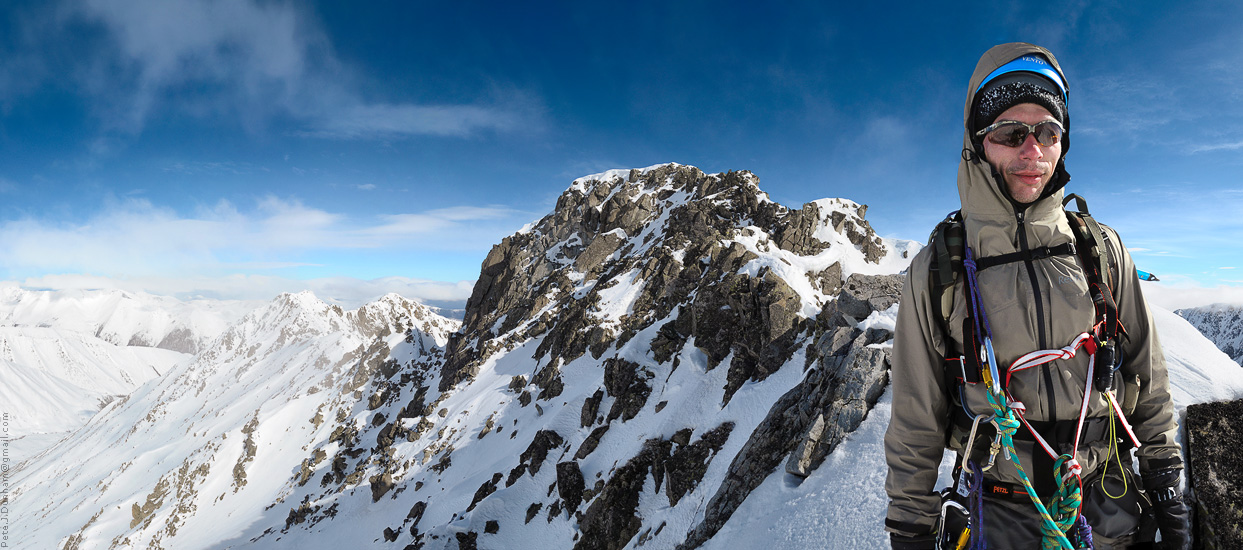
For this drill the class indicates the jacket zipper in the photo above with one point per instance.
(1036, 296)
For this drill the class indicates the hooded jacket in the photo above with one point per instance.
(1030, 305)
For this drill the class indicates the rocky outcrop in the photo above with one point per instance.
(1214, 435)
(679, 235)
(810, 420)
(610, 522)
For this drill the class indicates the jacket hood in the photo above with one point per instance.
(986, 203)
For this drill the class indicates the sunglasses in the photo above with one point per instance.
(1012, 133)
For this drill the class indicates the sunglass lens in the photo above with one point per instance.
(1012, 134)
(1009, 135)
(1048, 134)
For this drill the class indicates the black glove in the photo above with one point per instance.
(1171, 512)
(900, 542)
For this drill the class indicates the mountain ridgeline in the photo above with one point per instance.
(1221, 323)
(628, 370)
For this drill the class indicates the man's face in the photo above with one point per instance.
(1027, 168)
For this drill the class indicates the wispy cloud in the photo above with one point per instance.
(383, 121)
(251, 60)
(367, 187)
(345, 291)
(1207, 148)
(135, 238)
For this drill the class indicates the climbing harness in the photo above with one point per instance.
(1062, 526)
(1061, 521)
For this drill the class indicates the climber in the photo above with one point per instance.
(1034, 357)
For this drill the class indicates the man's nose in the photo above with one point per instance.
(1029, 149)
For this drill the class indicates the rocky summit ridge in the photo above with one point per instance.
(629, 368)
(1221, 323)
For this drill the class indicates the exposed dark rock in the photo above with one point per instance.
(381, 484)
(533, 510)
(591, 407)
(677, 236)
(686, 466)
(829, 280)
(1221, 324)
(537, 451)
(795, 234)
(570, 484)
(416, 512)
(300, 514)
(484, 490)
(586, 236)
(1214, 437)
(755, 318)
(467, 541)
(492, 527)
(628, 383)
(548, 380)
(590, 443)
(517, 383)
(610, 522)
(515, 474)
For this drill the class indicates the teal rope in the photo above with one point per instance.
(1053, 531)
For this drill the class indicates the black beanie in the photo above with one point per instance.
(1012, 89)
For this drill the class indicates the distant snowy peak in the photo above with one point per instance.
(302, 315)
(1221, 323)
(55, 380)
(123, 318)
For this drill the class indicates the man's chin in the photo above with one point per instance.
(1025, 194)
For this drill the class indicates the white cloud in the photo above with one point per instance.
(1235, 146)
(1181, 292)
(133, 238)
(381, 121)
(367, 187)
(253, 60)
(345, 291)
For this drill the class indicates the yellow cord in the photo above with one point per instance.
(1113, 450)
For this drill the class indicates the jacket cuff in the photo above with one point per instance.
(908, 529)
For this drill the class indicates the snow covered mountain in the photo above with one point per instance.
(54, 380)
(667, 360)
(1221, 323)
(123, 318)
(65, 354)
(199, 455)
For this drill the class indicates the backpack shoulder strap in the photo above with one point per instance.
(949, 243)
(1090, 241)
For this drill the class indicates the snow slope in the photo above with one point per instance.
(54, 380)
(65, 354)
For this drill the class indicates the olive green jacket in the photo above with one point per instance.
(1042, 304)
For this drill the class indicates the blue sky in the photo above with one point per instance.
(238, 148)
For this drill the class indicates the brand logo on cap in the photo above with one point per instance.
(1036, 59)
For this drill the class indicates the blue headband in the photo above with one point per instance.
(1032, 64)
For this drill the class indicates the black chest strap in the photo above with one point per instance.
(1064, 249)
